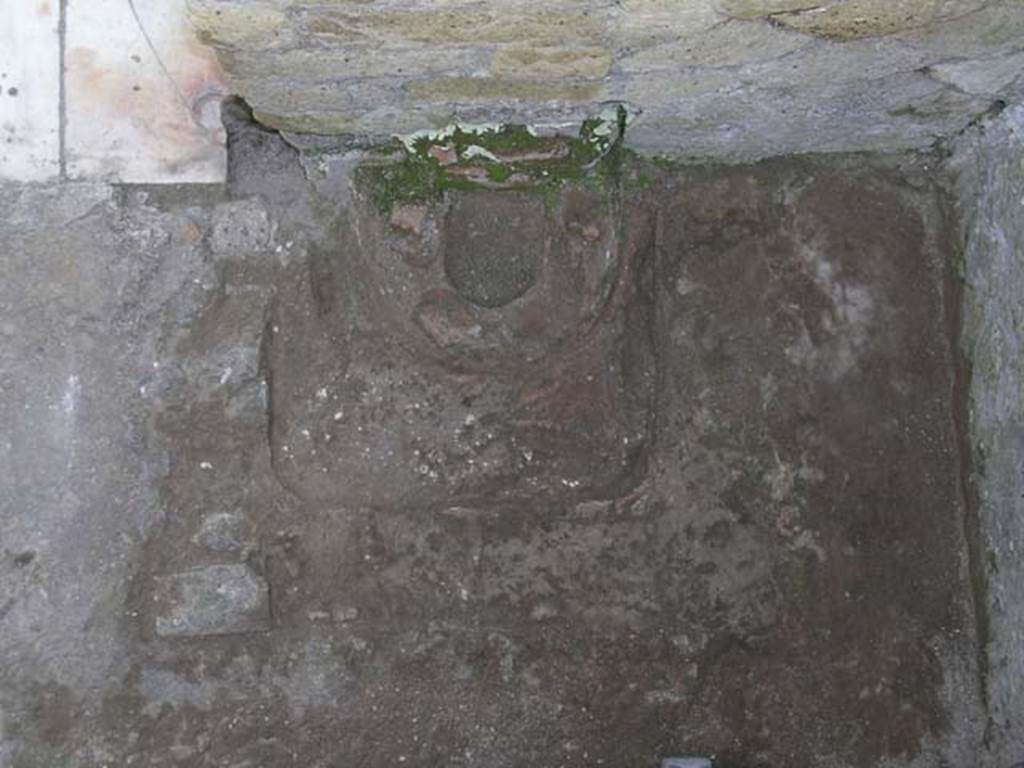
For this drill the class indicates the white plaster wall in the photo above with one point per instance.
(139, 101)
(142, 95)
(29, 90)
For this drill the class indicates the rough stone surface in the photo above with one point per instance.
(494, 247)
(501, 356)
(215, 600)
(96, 282)
(780, 578)
(240, 229)
(729, 79)
(221, 532)
(989, 162)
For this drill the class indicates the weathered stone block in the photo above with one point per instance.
(752, 9)
(532, 62)
(981, 33)
(652, 90)
(499, 24)
(240, 228)
(991, 77)
(730, 44)
(356, 60)
(495, 88)
(397, 67)
(216, 600)
(493, 247)
(843, 117)
(240, 24)
(855, 19)
(636, 24)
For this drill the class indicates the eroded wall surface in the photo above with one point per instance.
(297, 474)
(990, 187)
(731, 79)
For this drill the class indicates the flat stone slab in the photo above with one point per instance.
(216, 600)
(29, 91)
(730, 79)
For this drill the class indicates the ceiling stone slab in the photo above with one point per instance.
(729, 79)
(854, 19)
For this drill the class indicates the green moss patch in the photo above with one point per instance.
(493, 156)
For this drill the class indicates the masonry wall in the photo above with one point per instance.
(202, 563)
(990, 184)
(719, 79)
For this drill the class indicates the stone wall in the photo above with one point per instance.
(296, 475)
(735, 79)
(990, 186)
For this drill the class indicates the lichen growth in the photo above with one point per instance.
(463, 156)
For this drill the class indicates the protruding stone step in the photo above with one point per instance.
(215, 600)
